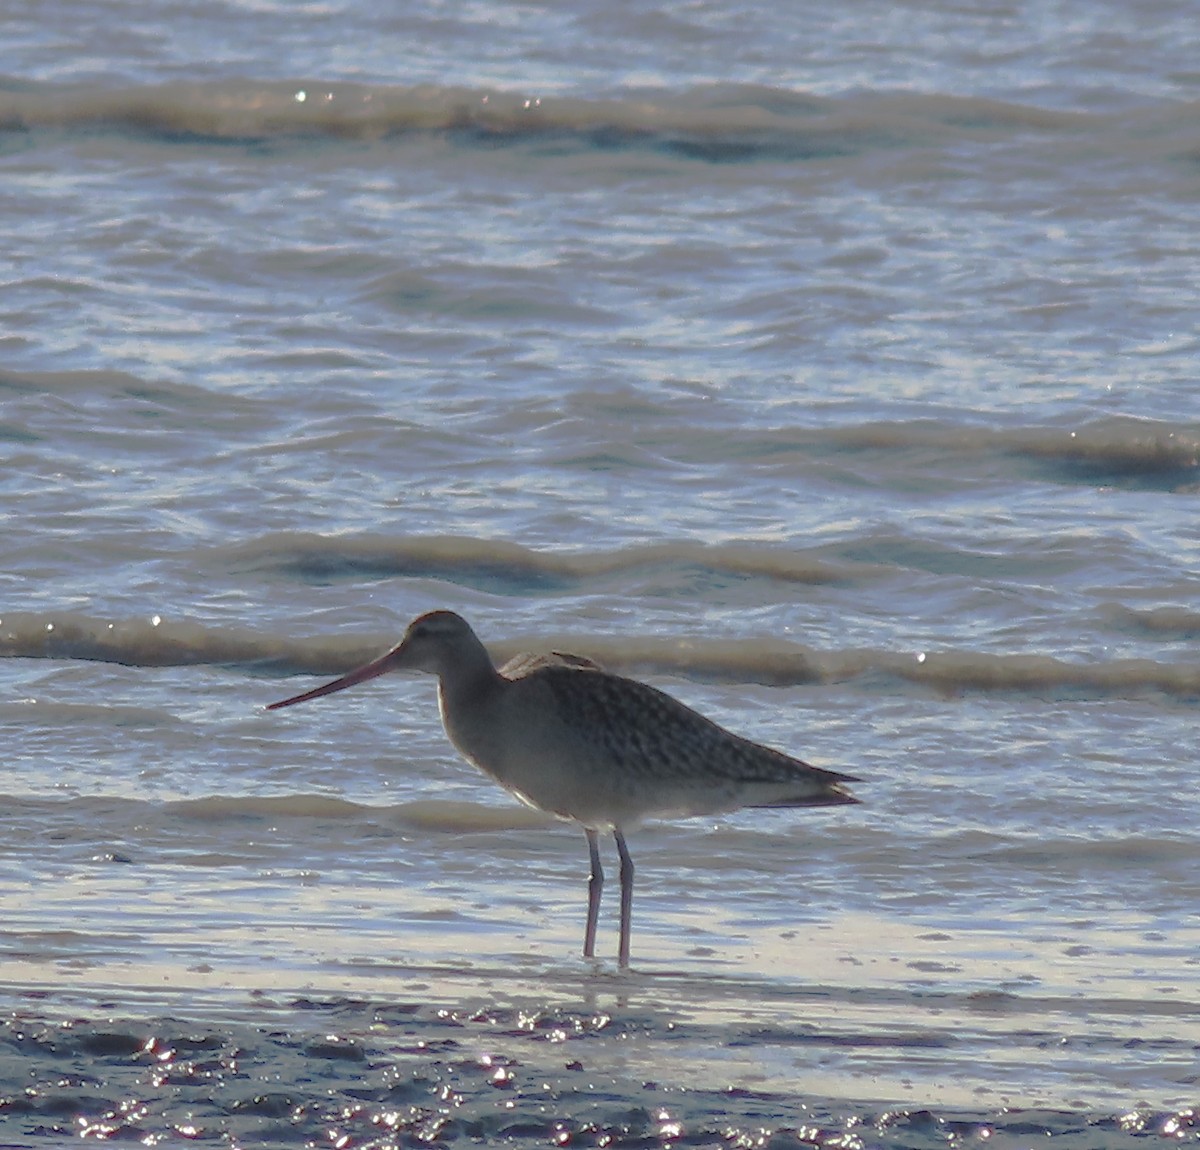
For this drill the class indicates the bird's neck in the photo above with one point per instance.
(469, 684)
(467, 703)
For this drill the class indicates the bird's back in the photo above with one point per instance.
(519, 666)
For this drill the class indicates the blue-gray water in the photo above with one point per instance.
(833, 370)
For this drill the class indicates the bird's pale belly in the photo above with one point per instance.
(596, 794)
(570, 794)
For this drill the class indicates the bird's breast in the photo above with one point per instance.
(546, 762)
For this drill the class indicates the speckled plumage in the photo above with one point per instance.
(567, 737)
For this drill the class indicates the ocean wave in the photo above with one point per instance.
(777, 663)
(714, 123)
(1117, 451)
(103, 383)
(147, 643)
(766, 661)
(1157, 622)
(421, 814)
(115, 814)
(219, 808)
(500, 565)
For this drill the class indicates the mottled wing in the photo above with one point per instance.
(526, 663)
(664, 745)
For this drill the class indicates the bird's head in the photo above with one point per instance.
(437, 643)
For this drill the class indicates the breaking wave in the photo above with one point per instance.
(769, 661)
(714, 123)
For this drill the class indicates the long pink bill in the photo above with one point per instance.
(371, 671)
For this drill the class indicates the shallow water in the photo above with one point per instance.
(833, 371)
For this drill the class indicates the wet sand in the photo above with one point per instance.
(581, 1055)
(345, 1072)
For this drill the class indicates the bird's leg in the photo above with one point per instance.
(595, 885)
(626, 897)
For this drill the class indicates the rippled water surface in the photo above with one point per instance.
(832, 371)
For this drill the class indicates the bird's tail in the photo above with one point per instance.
(834, 796)
(829, 791)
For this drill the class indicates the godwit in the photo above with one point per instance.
(569, 738)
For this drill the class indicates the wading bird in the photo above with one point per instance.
(571, 739)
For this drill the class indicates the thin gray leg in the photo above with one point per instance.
(626, 897)
(595, 886)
